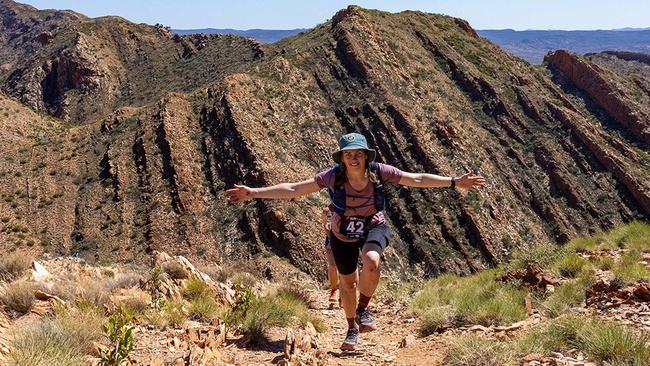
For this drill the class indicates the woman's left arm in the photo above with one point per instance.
(424, 180)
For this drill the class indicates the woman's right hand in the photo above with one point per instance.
(239, 194)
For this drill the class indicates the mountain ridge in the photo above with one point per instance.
(148, 173)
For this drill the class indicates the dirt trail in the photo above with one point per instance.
(381, 347)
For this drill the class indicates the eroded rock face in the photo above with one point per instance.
(172, 129)
(612, 98)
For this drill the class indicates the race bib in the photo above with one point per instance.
(354, 227)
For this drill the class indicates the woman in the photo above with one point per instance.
(332, 273)
(358, 222)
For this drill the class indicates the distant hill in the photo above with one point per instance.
(532, 45)
(262, 35)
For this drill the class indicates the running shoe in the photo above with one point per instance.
(365, 321)
(351, 340)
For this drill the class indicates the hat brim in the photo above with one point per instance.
(336, 156)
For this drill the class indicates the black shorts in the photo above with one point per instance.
(346, 254)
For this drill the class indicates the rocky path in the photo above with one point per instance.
(394, 343)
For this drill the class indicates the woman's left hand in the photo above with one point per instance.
(470, 181)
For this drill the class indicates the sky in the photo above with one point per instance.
(291, 14)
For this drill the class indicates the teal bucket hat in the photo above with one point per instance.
(353, 141)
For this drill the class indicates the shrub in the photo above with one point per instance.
(18, 297)
(120, 338)
(172, 313)
(633, 236)
(216, 273)
(94, 291)
(263, 314)
(14, 265)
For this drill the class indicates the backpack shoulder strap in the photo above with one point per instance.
(380, 195)
(337, 191)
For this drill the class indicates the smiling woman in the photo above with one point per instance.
(355, 185)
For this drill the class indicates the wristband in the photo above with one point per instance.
(453, 182)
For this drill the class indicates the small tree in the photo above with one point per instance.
(120, 336)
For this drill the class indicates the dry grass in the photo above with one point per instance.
(60, 340)
(18, 297)
(175, 270)
(14, 265)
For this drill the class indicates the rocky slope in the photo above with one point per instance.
(149, 149)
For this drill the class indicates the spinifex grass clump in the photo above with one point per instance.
(13, 266)
(599, 340)
(255, 314)
(201, 297)
(630, 269)
(62, 339)
(478, 299)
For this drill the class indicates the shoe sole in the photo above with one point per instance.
(348, 347)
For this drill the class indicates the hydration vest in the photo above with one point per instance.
(338, 196)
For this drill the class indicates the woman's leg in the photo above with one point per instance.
(369, 278)
(332, 273)
(349, 298)
(346, 256)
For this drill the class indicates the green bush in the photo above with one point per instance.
(120, 339)
(613, 343)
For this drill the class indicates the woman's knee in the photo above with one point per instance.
(371, 261)
(348, 283)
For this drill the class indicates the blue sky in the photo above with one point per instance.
(289, 14)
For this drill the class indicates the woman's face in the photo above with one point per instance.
(354, 159)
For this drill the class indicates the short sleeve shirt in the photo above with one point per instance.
(358, 203)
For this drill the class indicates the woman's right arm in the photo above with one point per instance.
(278, 191)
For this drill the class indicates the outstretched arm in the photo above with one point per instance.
(423, 180)
(279, 191)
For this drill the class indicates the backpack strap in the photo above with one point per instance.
(380, 195)
(337, 191)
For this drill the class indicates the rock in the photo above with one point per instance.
(407, 341)
(40, 295)
(479, 328)
(39, 273)
(533, 276)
